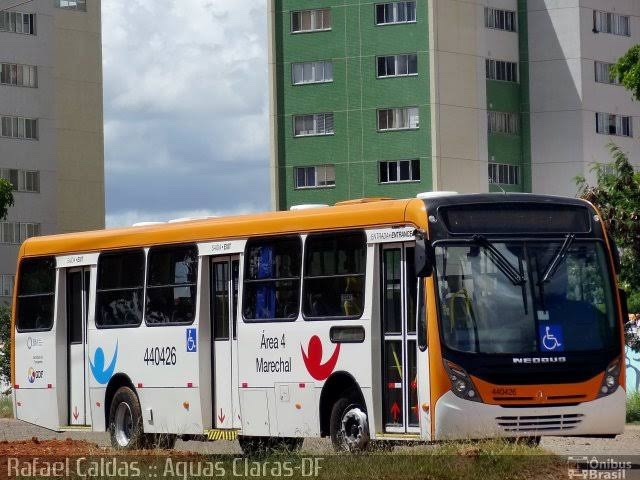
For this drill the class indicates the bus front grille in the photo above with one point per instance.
(526, 423)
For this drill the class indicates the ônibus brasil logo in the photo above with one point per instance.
(100, 373)
(313, 359)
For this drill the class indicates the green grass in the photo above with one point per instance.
(633, 407)
(6, 406)
(488, 460)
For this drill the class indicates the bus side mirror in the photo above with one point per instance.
(425, 256)
(624, 305)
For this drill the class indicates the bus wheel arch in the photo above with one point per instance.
(338, 386)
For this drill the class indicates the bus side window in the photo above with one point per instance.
(334, 273)
(36, 295)
(171, 285)
(120, 289)
(272, 279)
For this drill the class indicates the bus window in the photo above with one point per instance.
(120, 289)
(171, 285)
(272, 279)
(334, 275)
(36, 295)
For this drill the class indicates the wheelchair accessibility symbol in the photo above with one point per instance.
(192, 344)
(551, 338)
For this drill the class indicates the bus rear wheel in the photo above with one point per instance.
(349, 426)
(125, 421)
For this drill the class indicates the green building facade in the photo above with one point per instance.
(336, 135)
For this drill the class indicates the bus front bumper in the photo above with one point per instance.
(457, 419)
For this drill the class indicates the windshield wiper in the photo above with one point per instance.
(500, 261)
(560, 257)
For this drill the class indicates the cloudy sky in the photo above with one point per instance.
(186, 108)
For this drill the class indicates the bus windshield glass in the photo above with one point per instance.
(562, 303)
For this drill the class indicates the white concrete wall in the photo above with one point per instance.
(564, 95)
(68, 104)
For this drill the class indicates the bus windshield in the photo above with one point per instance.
(561, 303)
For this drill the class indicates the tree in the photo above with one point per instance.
(617, 197)
(6, 198)
(5, 345)
(6, 201)
(627, 71)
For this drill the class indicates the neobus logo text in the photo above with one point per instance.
(539, 359)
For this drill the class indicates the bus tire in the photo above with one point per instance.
(349, 426)
(125, 421)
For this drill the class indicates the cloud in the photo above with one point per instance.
(186, 107)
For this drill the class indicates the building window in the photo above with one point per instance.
(503, 122)
(22, 180)
(500, 19)
(272, 279)
(80, 5)
(397, 171)
(6, 285)
(606, 22)
(502, 70)
(14, 233)
(407, 118)
(314, 124)
(320, 176)
(395, 12)
(311, 20)
(334, 275)
(610, 124)
(18, 127)
(18, 75)
(397, 65)
(171, 285)
(18, 22)
(312, 72)
(120, 289)
(504, 174)
(36, 294)
(604, 74)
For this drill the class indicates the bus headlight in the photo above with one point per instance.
(461, 384)
(611, 378)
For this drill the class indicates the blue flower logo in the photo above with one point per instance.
(100, 373)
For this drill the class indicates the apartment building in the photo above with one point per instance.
(51, 126)
(395, 98)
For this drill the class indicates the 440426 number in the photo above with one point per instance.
(160, 356)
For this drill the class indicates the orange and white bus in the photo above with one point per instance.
(442, 317)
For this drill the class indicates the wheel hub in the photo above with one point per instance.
(355, 428)
(123, 424)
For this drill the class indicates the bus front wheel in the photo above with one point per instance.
(125, 421)
(349, 426)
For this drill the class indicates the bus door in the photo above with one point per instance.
(78, 281)
(224, 316)
(399, 349)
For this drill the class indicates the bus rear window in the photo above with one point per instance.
(171, 285)
(36, 295)
(120, 289)
(272, 279)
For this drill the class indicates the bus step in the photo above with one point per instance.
(397, 436)
(75, 428)
(220, 434)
